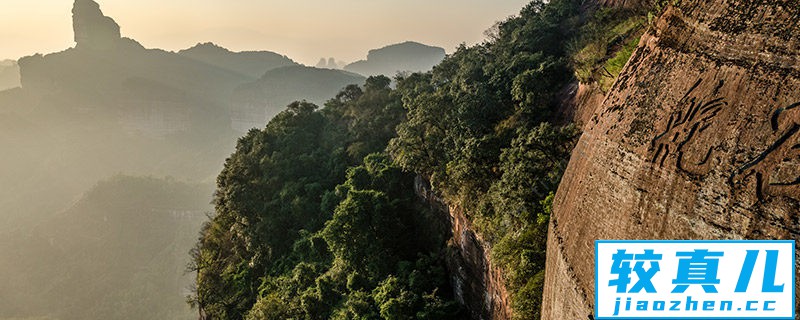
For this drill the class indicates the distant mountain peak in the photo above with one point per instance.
(92, 29)
(208, 47)
(411, 44)
(408, 47)
(401, 57)
(252, 64)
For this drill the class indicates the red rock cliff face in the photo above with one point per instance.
(477, 284)
(699, 138)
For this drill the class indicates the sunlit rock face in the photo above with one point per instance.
(699, 138)
(92, 29)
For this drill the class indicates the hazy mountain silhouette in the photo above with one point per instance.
(272, 92)
(109, 106)
(406, 56)
(252, 64)
(158, 93)
(102, 76)
(9, 74)
(117, 253)
(285, 85)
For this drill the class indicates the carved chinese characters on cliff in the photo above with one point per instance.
(776, 170)
(687, 139)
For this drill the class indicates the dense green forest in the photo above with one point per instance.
(316, 216)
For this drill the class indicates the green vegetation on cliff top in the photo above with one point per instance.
(316, 216)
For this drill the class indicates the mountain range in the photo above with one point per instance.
(108, 105)
(251, 64)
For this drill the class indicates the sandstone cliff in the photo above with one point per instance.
(699, 138)
(478, 285)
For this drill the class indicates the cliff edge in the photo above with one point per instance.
(699, 138)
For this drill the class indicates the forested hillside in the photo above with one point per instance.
(313, 221)
(84, 235)
(316, 216)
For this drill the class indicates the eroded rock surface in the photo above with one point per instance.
(699, 138)
(477, 283)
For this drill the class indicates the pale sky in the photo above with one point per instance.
(304, 30)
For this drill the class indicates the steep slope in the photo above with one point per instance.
(252, 64)
(697, 139)
(312, 223)
(477, 130)
(401, 57)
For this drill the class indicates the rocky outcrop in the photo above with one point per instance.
(699, 138)
(148, 92)
(578, 103)
(478, 285)
(92, 29)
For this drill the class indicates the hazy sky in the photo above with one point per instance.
(305, 30)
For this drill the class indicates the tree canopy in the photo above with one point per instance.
(316, 216)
